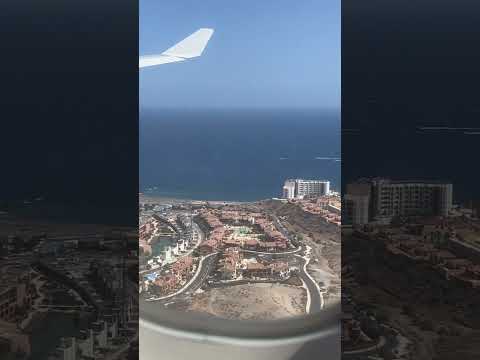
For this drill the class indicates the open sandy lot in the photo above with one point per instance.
(251, 301)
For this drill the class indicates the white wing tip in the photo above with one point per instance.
(207, 30)
(190, 47)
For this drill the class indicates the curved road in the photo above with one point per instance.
(204, 267)
(297, 250)
(314, 295)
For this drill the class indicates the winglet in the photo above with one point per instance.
(192, 46)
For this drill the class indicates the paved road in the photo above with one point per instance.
(281, 228)
(205, 266)
(316, 298)
(290, 252)
(315, 304)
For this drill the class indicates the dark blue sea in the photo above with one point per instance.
(236, 155)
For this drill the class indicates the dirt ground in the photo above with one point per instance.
(251, 301)
(323, 238)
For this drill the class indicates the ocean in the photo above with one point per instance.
(236, 155)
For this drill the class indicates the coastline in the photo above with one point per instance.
(151, 197)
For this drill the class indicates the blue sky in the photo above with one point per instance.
(263, 54)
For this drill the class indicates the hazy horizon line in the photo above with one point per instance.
(241, 108)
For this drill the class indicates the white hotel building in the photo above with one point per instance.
(383, 199)
(406, 198)
(300, 188)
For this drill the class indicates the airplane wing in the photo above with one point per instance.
(190, 47)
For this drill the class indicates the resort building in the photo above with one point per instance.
(300, 188)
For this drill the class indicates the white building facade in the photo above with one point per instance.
(407, 198)
(356, 209)
(300, 188)
(384, 199)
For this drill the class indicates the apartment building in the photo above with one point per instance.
(300, 188)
